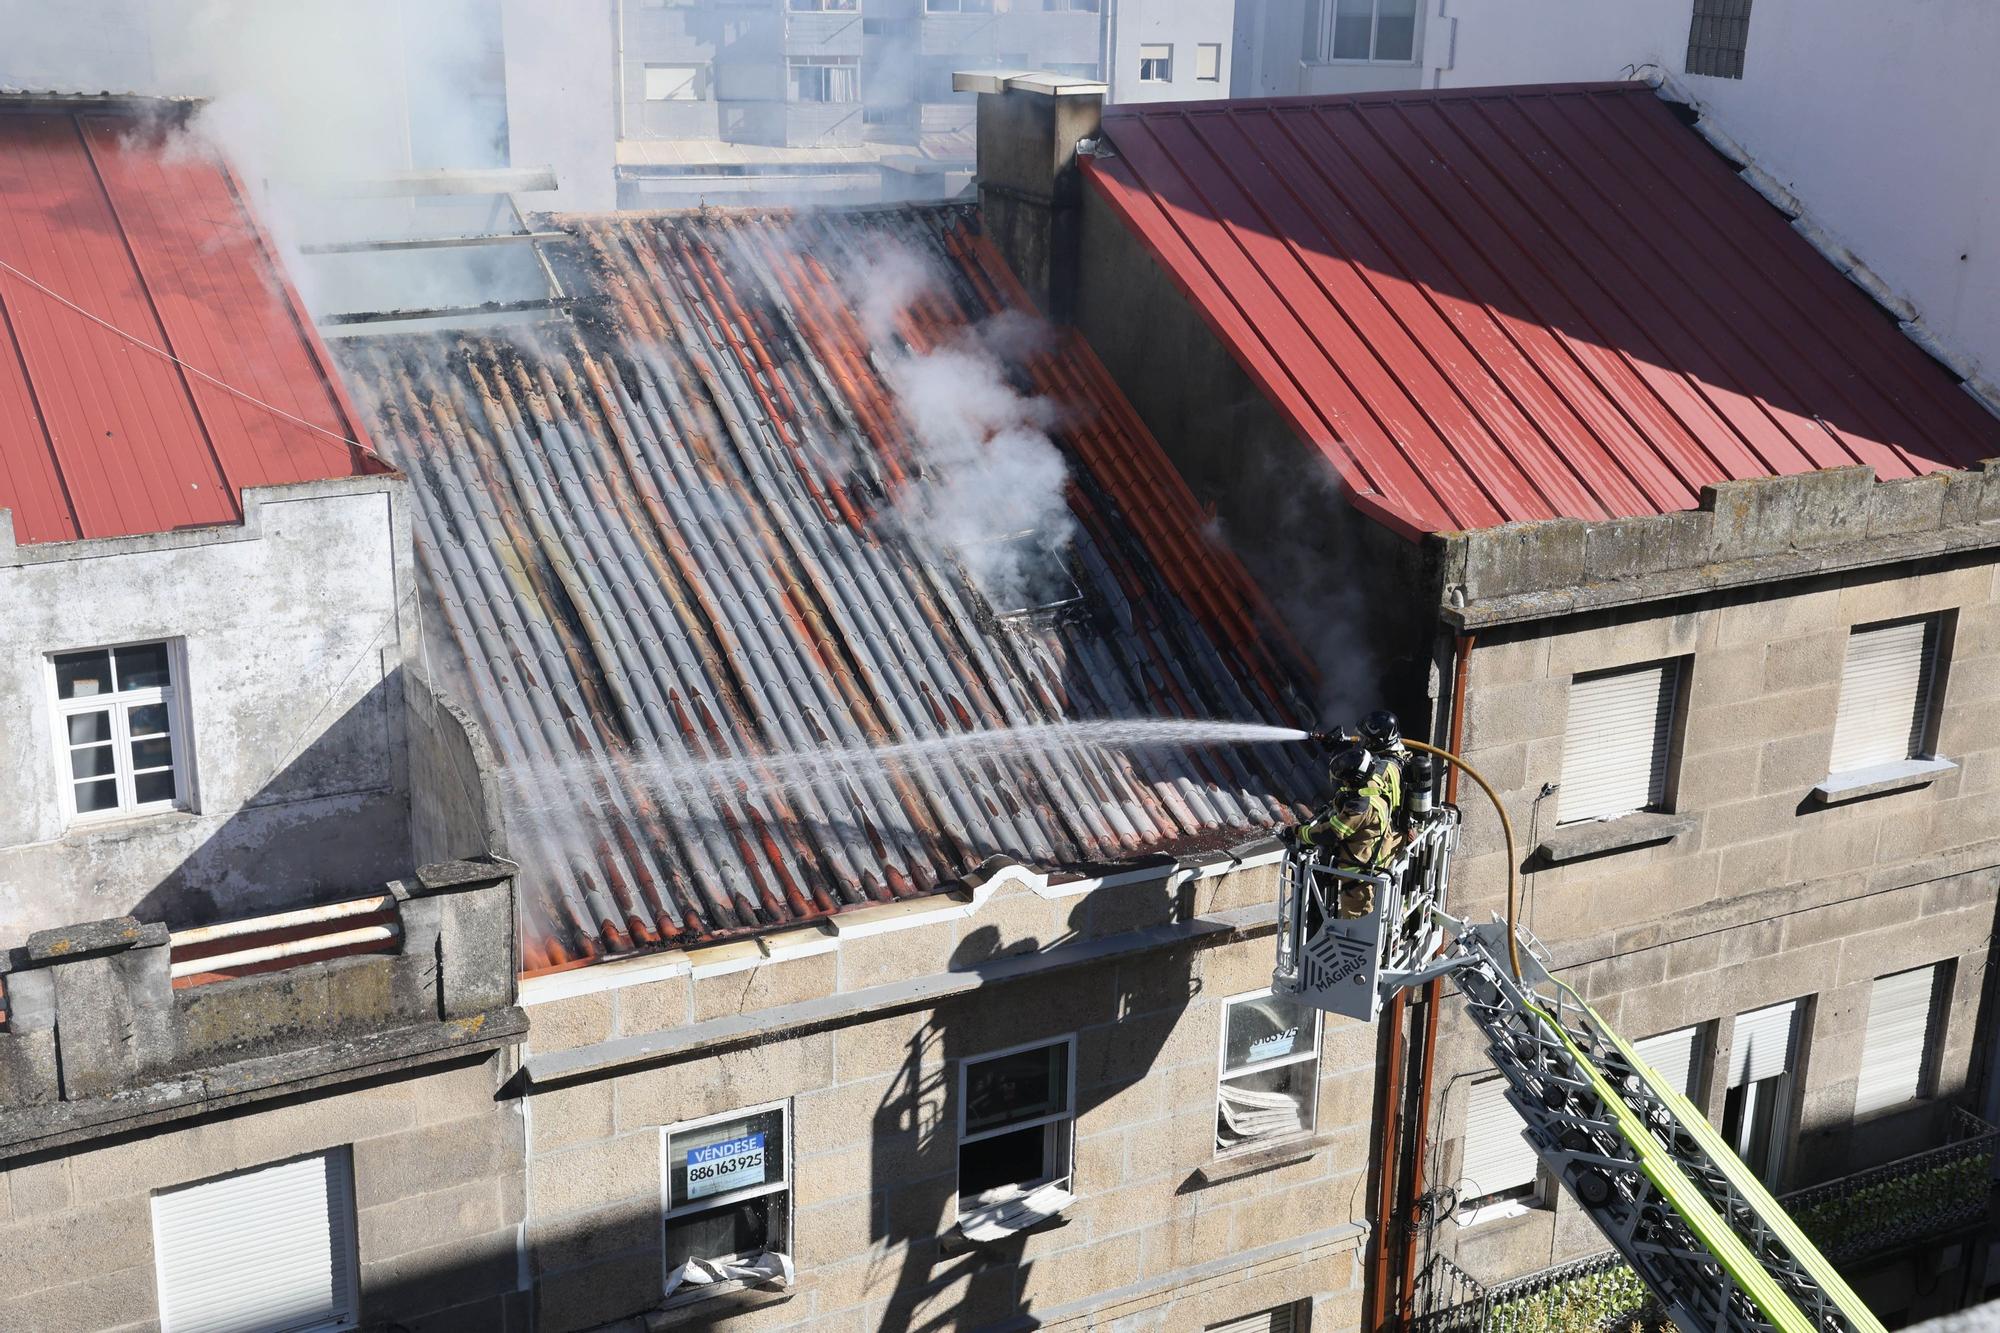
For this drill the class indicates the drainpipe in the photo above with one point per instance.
(1426, 1053)
(1381, 1309)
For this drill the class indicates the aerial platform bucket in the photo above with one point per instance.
(1348, 966)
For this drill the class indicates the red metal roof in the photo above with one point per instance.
(1502, 304)
(100, 437)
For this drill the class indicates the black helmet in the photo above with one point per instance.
(1353, 764)
(1380, 730)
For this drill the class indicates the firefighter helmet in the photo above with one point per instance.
(1351, 766)
(1380, 731)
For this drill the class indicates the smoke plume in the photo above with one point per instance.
(993, 491)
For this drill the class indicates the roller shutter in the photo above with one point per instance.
(1671, 1054)
(264, 1251)
(1616, 741)
(1280, 1320)
(1761, 1044)
(1497, 1159)
(1885, 691)
(1898, 1040)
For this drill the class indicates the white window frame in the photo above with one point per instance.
(343, 1243)
(1165, 62)
(119, 703)
(823, 6)
(794, 64)
(1329, 17)
(1869, 1100)
(1923, 716)
(1665, 739)
(1059, 1150)
(1213, 49)
(668, 1212)
(1513, 1205)
(1223, 1073)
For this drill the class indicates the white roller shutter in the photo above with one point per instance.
(1671, 1054)
(1885, 691)
(1760, 1046)
(1616, 741)
(1898, 1039)
(1497, 1158)
(264, 1251)
(1280, 1320)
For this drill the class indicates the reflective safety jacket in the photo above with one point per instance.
(1367, 841)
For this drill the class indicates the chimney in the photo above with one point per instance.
(1030, 191)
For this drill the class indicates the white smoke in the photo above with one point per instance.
(993, 489)
(310, 101)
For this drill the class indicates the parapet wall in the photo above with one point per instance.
(100, 1037)
(1744, 532)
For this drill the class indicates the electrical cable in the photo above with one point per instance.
(196, 371)
(1506, 826)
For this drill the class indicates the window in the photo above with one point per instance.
(1070, 6)
(1269, 1075)
(1208, 62)
(266, 1249)
(1718, 35)
(674, 83)
(1758, 1106)
(728, 1197)
(1498, 1166)
(1617, 741)
(1896, 1050)
(824, 78)
(823, 6)
(958, 6)
(1674, 1057)
(1284, 1319)
(1384, 30)
(120, 738)
(1885, 694)
(1014, 1122)
(1156, 62)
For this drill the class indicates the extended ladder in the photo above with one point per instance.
(1692, 1220)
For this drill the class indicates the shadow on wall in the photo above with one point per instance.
(338, 819)
(1120, 1018)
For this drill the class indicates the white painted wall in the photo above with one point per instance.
(293, 626)
(1184, 24)
(1876, 116)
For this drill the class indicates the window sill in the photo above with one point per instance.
(1042, 1209)
(699, 1309)
(1239, 1164)
(1879, 780)
(1504, 1210)
(1595, 837)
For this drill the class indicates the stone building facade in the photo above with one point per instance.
(859, 1032)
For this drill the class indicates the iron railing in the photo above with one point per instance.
(1910, 1201)
(1854, 1220)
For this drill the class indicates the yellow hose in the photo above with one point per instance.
(1506, 826)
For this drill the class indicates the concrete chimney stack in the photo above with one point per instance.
(1029, 187)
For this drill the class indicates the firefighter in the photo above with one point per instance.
(1356, 827)
(1382, 735)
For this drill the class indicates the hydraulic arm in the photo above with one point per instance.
(1663, 1186)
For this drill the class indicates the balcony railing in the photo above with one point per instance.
(1854, 1220)
(1908, 1202)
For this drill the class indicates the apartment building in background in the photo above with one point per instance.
(1647, 508)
